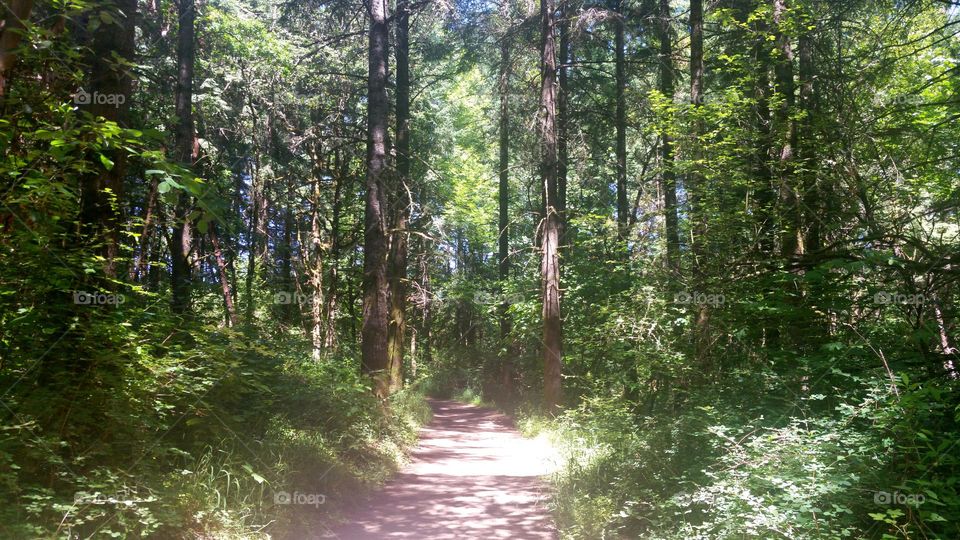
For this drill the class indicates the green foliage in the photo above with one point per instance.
(752, 391)
(717, 471)
(198, 439)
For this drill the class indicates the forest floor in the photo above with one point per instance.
(472, 476)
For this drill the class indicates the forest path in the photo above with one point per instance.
(472, 476)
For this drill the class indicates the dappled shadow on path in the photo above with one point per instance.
(471, 477)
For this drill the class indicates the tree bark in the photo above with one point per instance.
(181, 280)
(762, 169)
(668, 182)
(427, 299)
(330, 315)
(621, 123)
(503, 238)
(696, 184)
(156, 251)
(284, 251)
(398, 247)
(374, 330)
(102, 191)
(550, 239)
(806, 151)
(791, 240)
(256, 239)
(225, 287)
(315, 271)
(563, 115)
(17, 12)
(696, 56)
(138, 268)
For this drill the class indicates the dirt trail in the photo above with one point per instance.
(471, 477)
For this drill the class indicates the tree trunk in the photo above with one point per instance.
(156, 251)
(763, 173)
(11, 33)
(289, 313)
(102, 191)
(330, 315)
(427, 299)
(503, 238)
(806, 151)
(224, 278)
(314, 266)
(563, 105)
(791, 241)
(550, 239)
(398, 251)
(254, 239)
(184, 149)
(946, 349)
(696, 185)
(621, 123)
(668, 182)
(138, 268)
(374, 330)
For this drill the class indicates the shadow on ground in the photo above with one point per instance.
(471, 477)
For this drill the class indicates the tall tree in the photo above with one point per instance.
(806, 150)
(222, 274)
(398, 245)
(791, 241)
(184, 150)
(333, 291)
(668, 182)
(314, 257)
(550, 239)
(112, 50)
(503, 228)
(695, 183)
(621, 119)
(376, 288)
(762, 170)
(563, 113)
(503, 238)
(256, 239)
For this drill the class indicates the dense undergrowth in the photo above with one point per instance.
(865, 469)
(785, 437)
(785, 367)
(865, 464)
(119, 418)
(198, 433)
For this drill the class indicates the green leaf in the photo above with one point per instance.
(254, 475)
